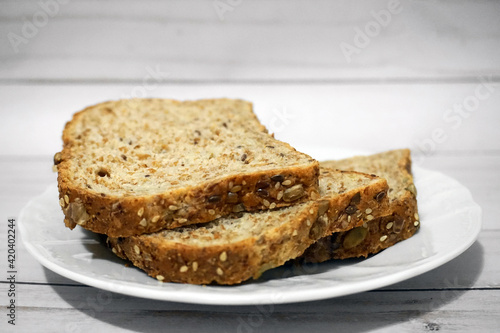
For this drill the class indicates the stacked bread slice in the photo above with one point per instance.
(138, 166)
(401, 223)
(199, 192)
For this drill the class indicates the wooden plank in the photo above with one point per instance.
(257, 40)
(367, 117)
(475, 268)
(77, 309)
(408, 306)
(22, 178)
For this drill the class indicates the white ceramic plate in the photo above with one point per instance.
(444, 205)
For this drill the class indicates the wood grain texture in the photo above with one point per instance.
(330, 117)
(23, 178)
(256, 40)
(377, 311)
(420, 79)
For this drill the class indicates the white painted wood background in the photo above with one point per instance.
(429, 80)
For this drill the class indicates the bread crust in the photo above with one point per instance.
(127, 215)
(119, 217)
(366, 202)
(378, 238)
(173, 261)
(401, 223)
(170, 261)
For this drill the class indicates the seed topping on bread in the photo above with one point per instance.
(143, 165)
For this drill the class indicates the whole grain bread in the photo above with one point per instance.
(383, 232)
(233, 249)
(131, 167)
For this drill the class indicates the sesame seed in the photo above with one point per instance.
(160, 277)
(266, 203)
(173, 207)
(368, 211)
(243, 183)
(143, 222)
(183, 269)
(287, 182)
(416, 223)
(280, 195)
(369, 217)
(348, 218)
(308, 223)
(389, 225)
(137, 250)
(66, 198)
(61, 202)
(114, 250)
(277, 185)
(236, 188)
(383, 238)
(195, 266)
(365, 225)
(155, 218)
(230, 185)
(295, 233)
(223, 256)
(272, 205)
(220, 271)
(311, 211)
(416, 216)
(211, 212)
(140, 211)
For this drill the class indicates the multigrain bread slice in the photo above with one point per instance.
(233, 249)
(383, 232)
(131, 167)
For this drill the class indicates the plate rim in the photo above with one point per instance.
(207, 298)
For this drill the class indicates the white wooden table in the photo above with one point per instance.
(329, 74)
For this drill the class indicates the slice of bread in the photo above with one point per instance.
(131, 167)
(383, 232)
(233, 249)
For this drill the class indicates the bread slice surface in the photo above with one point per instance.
(233, 249)
(383, 232)
(130, 167)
